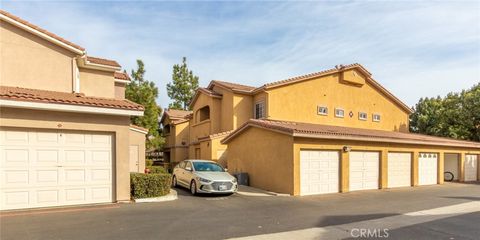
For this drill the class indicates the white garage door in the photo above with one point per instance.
(319, 172)
(427, 168)
(399, 169)
(364, 170)
(471, 167)
(51, 168)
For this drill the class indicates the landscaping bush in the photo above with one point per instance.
(149, 185)
(157, 169)
(148, 162)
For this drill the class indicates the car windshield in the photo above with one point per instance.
(207, 167)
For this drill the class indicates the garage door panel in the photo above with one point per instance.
(364, 170)
(319, 172)
(399, 169)
(427, 168)
(42, 169)
(471, 167)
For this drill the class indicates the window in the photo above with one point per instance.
(362, 116)
(259, 110)
(339, 112)
(188, 165)
(166, 129)
(322, 110)
(376, 117)
(203, 114)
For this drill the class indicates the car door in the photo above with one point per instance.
(179, 172)
(188, 175)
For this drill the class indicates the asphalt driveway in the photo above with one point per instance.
(220, 217)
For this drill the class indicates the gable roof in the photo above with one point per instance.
(176, 116)
(121, 76)
(103, 61)
(206, 91)
(44, 96)
(309, 130)
(34, 29)
(231, 86)
(339, 68)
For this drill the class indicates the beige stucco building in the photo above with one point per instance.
(337, 130)
(65, 136)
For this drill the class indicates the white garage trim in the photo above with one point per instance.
(399, 169)
(471, 167)
(41, 168)
(364, 170)
(427, 168)
(319, 172)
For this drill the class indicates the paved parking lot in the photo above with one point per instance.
(220, 217)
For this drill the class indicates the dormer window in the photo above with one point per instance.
(362, 116)
(203, 114)
(259, 110)
(322, 110)
(339, 112)
(376, 117)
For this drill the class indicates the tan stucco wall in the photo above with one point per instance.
(32, 62)
(138, 139)
(383, 148)
(117, 125)
(266, 156)
(120, 90)
(298, 102)
(97, 83)
(243, 109)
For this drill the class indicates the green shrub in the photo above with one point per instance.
(149, 185)
(157, 169)
(148, 162)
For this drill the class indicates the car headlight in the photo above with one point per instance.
(234, 180)
(203, 180)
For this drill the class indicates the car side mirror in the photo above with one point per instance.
(225, 169)
(188, 169)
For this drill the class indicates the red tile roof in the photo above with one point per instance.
(121, 76)
(103, 61)
(24, 22)
(179, 114)
(215, 135)
(309, 130)
(43, 96)
(231, 86)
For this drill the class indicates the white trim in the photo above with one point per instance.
(337, 115)
(138, 130)
(122, 81)
(363, 119)
(69, 108)
(379, 117)
(321, 113)
(40, 34)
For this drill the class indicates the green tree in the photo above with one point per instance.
(457, 115)
(144, 92)
(183, 86)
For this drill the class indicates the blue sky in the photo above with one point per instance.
(415, 49)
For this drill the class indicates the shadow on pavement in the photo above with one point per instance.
(466, 198)
(344, 219)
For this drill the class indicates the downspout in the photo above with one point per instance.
(75, 76)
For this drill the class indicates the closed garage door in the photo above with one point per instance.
(471, 167)
(427, 168)
(399, 169)
(319, 171)
(51, 168)
(364, 168)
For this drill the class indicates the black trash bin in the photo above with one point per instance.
(242, 178)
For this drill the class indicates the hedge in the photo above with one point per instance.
(149, 185)
(157, 169)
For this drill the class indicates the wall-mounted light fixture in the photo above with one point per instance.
(347, 148)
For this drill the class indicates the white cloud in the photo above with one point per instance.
(415, 50)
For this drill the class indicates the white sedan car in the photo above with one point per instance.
(203, 176)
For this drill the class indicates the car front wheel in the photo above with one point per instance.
(193, 187)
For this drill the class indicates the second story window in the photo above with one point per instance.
(203, 114)
(322, 110)
(166, 130)
(259, 110)
(362, 116)
(339, 112)
(376, 117)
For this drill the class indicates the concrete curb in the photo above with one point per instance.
(255, 192)
(169, 197)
